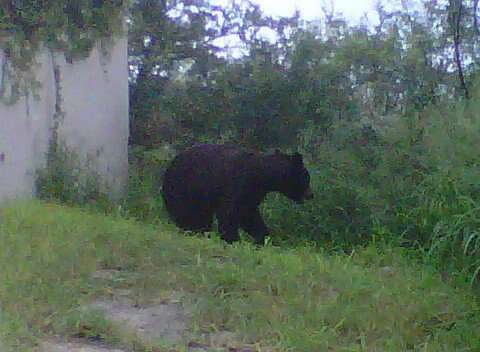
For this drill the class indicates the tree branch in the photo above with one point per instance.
(456, 23)
(475, 20)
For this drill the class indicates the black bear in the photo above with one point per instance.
(230, 182)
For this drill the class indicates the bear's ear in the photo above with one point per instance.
(297, 158)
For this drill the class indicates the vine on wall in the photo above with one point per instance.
(70, 26)
(58, 115)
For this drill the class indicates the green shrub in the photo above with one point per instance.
(412, 180)
(70, 180)
(338, 216)
(438, 193)
(143, 200)
(341, 215)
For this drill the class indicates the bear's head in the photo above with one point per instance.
(294, 181)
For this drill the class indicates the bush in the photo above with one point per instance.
(143, 200)
(341, 214)
(70, 180)
(428, 181)
(413, 180)
(338, 217)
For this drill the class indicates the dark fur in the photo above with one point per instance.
(230, 182)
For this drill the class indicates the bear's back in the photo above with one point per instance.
(206, 168)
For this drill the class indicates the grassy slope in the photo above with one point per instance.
(286, 299)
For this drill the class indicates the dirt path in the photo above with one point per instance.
(79, 346)
(164, 323)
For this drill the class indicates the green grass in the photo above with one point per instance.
(375, 299)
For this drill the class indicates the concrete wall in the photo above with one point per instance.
(94, 94)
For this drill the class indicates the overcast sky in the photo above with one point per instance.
(310, 9)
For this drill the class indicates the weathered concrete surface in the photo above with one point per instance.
(94, 99)
(24, 131)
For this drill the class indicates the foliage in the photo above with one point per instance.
(70, 179)
(182, 86)
(186, 87)
(71, 27)
(143, 199)
(414, 179)
(342, 213)
(439, 208)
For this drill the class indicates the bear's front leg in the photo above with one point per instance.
(228, 221)
(254, 225)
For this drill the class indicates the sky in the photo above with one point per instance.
(352, 10)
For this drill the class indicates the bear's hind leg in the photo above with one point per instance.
(196, 219)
